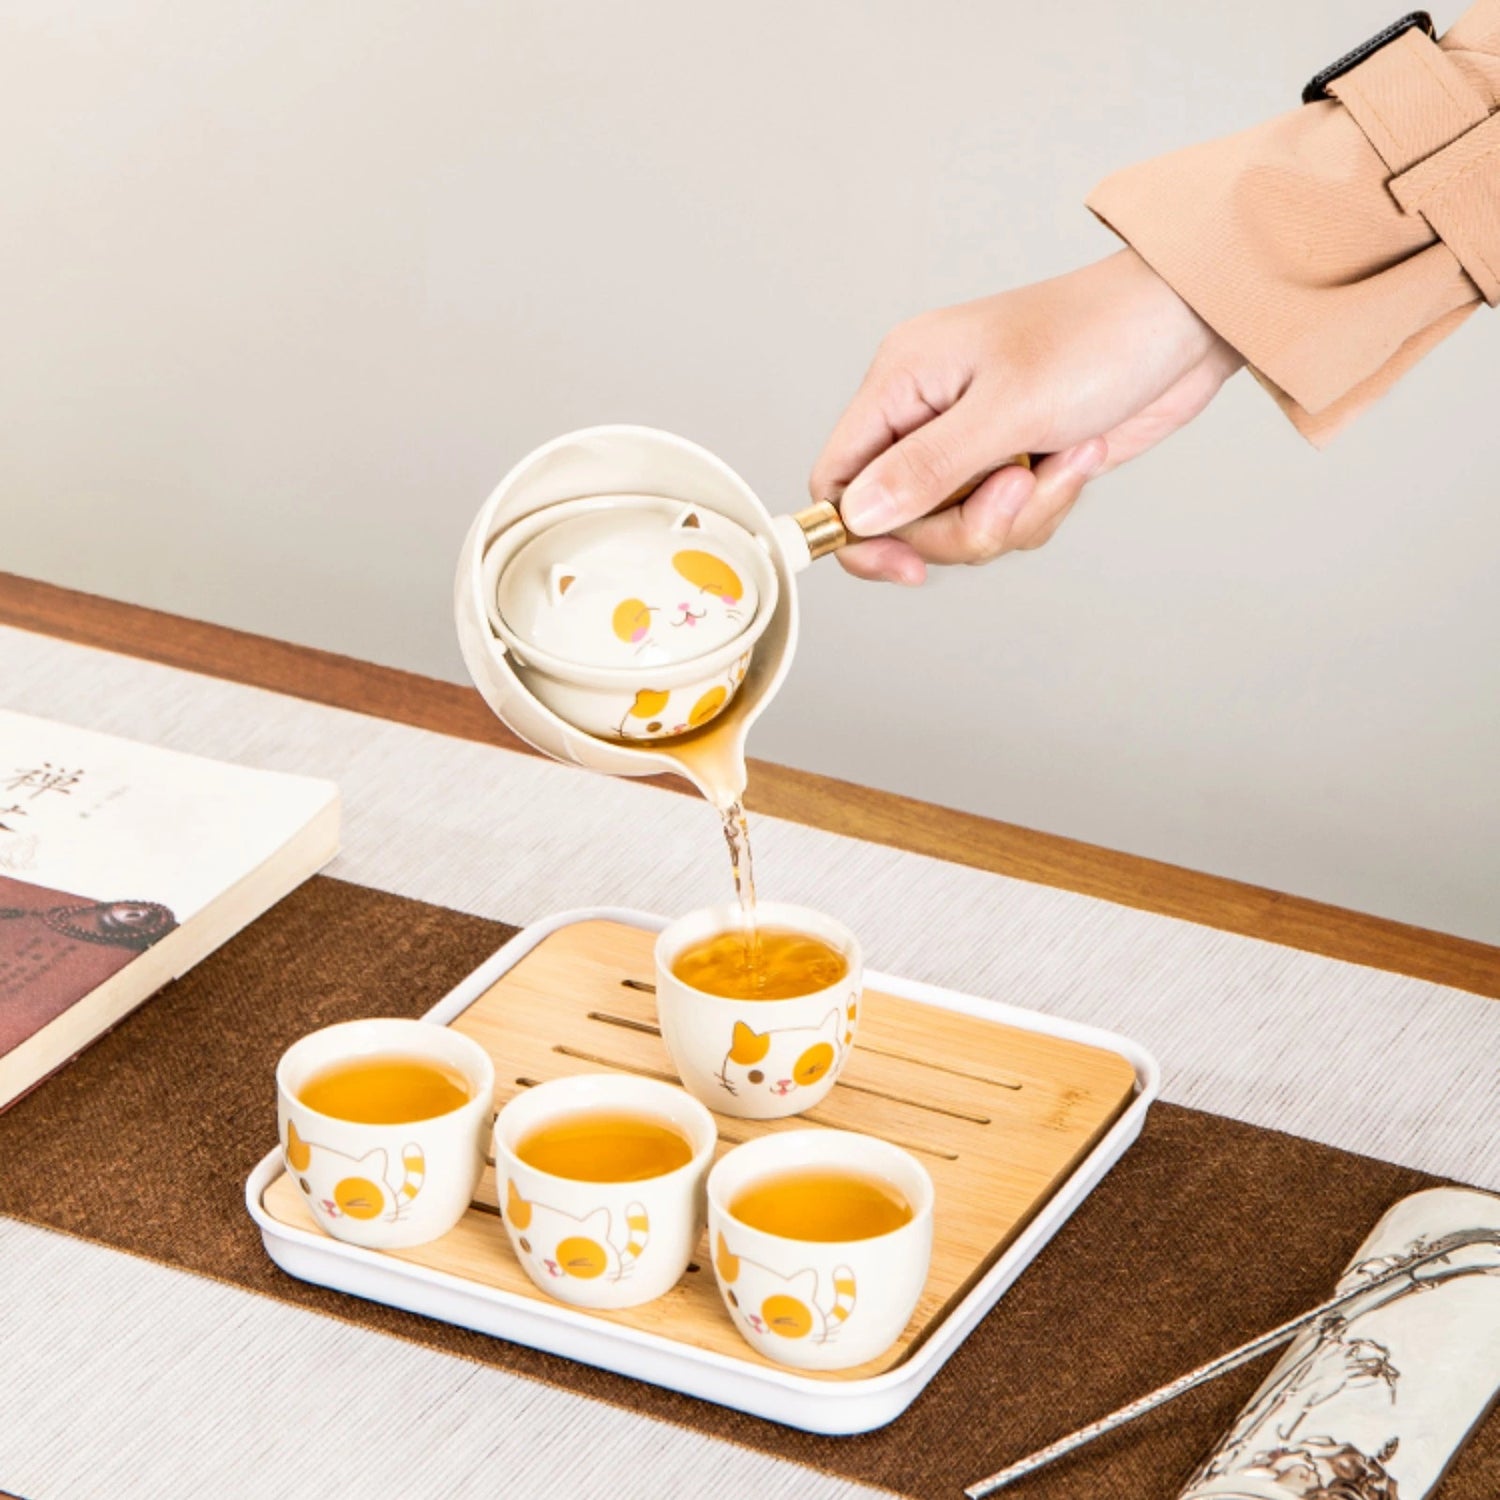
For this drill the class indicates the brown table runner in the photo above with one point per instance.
(1207, 1232)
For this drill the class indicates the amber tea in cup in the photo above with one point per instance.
(768, 963)
(759, 1021)
(600, 1178)
(823, 1204)
(820, 1242)
(383, 1125)
(385, 1089)
(605, 1146)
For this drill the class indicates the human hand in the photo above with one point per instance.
(1090, 369)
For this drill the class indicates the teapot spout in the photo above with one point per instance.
(714, 763)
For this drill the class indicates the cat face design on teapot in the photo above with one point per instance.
(665, 595)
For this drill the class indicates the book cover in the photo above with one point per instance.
(122, 864)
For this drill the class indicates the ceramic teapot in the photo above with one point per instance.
(632, 617)
(575, 583)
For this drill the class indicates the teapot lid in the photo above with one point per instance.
(638, 580)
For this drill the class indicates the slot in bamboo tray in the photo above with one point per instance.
(999, 1115)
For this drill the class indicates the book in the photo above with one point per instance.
(121, 866)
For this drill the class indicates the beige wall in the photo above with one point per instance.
(284, 288)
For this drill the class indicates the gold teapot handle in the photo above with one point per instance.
(824, 529)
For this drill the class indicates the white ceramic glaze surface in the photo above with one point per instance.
(672, 702)
(385, 1187)
(810, 1304)
(602, 1244)
(623, 460)
(633, 582)
(758, 1059)
(771, 1391)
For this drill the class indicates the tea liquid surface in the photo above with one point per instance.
(776, 964)
(606, 1146)
(385, 1089)
(825, 1204)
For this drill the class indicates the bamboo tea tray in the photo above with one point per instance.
(1017, 1115)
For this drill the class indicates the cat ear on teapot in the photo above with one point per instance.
(689, 518)
(559, 580)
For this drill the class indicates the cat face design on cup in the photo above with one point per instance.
(789, 1307)
(758, 1059)
(820, 1304)
(338, 1186)
(778, 1063)
(553, 1244)
(602, 1244)
(385, 1186)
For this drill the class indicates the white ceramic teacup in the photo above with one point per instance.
(819, 1304)
(385, 1187)
(758, 1059)
(602, 1244)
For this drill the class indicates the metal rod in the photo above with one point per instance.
(1231, 1361)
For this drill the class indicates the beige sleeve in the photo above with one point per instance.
(1335, 245)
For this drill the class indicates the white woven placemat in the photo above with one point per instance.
(1355, 1057)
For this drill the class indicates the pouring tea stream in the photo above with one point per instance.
(555, 620)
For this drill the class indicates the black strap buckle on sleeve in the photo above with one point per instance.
(1317, 87)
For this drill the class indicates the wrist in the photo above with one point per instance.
(1166, 318)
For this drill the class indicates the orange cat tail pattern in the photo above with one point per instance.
(415, 1164)
(843, 1295)
(639, 1226)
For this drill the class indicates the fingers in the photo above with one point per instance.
(980, 528)
(1060, 478)
(923, 469)
(1012, 510)
(890, 403)
(883, 559)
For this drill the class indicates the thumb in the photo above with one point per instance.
(928, 465)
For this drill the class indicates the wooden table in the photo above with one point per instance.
(780, 791)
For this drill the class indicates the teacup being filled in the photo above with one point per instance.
(759, 1021)
(600, 1179)
(763, 963)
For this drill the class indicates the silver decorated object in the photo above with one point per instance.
(1382, 1382)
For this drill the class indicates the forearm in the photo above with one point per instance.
(1332, 250)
